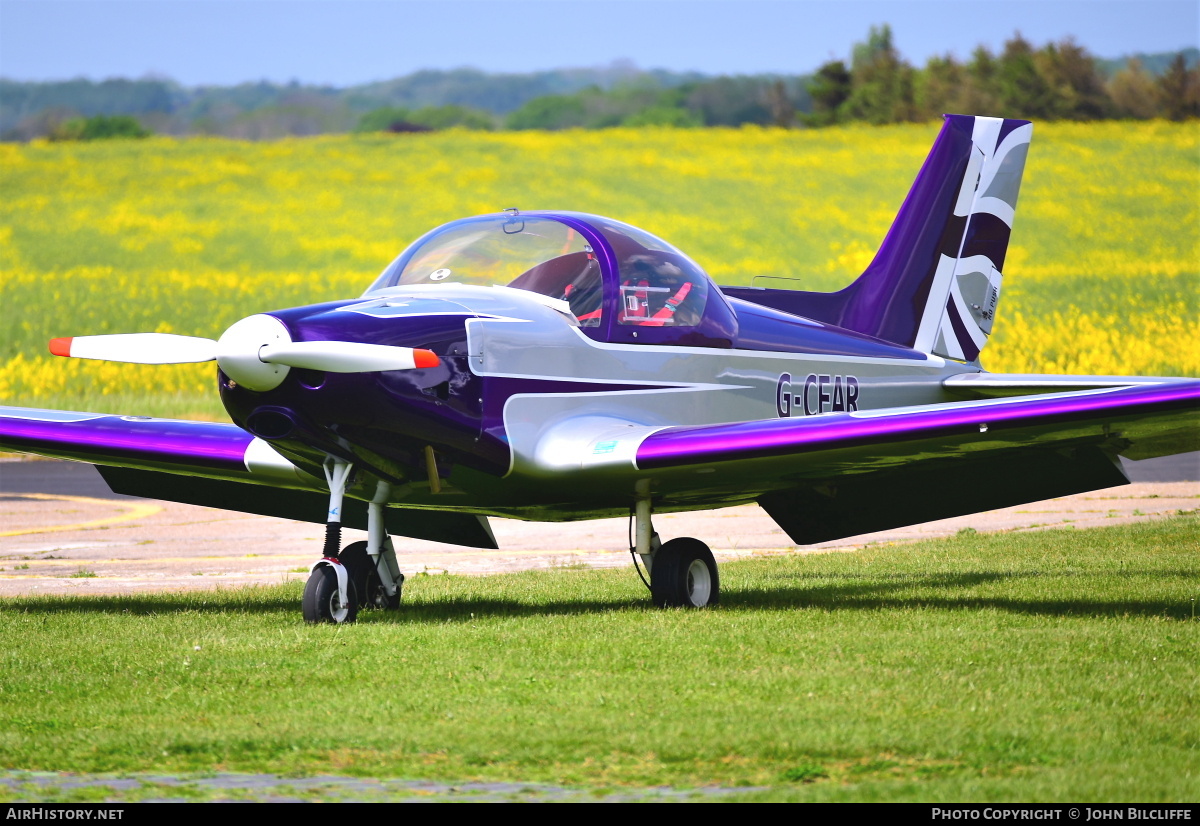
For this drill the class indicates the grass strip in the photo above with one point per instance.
(1053, 665)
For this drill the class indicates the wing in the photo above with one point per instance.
(211, 464)
(842, 474)
(208, 449)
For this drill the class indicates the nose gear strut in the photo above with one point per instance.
(336, 474)
(329, 595)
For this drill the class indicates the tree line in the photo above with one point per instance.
(1057, 81)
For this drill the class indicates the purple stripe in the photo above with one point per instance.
(151, 443)
(988, 236)
(682, 446)
(965, 342)
(1009, 126)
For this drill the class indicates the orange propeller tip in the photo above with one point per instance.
(60, 346)
(425, 358)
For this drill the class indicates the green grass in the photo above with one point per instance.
(1047, 666)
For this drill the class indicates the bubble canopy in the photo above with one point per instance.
(622, 283)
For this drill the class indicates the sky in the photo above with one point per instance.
(347, 42)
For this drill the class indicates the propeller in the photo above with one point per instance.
(256, 352)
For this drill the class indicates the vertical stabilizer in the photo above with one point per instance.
(965, 289)
(935, 282)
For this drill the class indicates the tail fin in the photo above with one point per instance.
(935, 281)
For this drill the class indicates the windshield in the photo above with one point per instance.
(511, 250)
(660, 286)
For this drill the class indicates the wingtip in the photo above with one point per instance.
(60, 346)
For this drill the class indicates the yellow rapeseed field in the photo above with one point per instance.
(187, 236)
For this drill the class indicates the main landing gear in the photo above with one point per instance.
(683, 572)
(363, 574)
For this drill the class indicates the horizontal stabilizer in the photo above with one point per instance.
(1000, 385)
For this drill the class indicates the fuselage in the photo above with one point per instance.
(520, 378)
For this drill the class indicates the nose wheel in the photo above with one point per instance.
(361, 575)
(325, 601)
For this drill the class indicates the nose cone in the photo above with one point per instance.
(238, 352)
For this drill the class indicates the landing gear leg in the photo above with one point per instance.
(646, 541)
(384, 580)
(683, 571)
(329, 595)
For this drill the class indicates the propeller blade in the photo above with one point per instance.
(137, 348)
(256, 352)
(346, 356)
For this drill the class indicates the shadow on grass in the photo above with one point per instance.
(244, 601)
(807, 591)
(877, 592)
(249, 602)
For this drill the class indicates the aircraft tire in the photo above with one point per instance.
(684, 575)
(322, 602)
(367, 584)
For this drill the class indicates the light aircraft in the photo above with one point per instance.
(559, 366)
